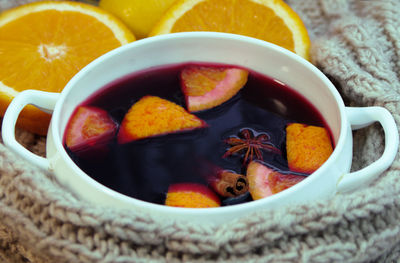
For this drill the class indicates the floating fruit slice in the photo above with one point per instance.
(88, 127)
(270, 20)
(279, 182)
(257, 175)
(191, 195)
(264, 181)
(208, 87)
(44, 44)
(307, 147)
(152, 116)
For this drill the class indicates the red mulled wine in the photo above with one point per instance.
(145, 168)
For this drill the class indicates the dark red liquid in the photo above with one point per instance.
(144, 169)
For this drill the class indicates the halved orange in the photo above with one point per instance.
(44, 44)
(270, 20)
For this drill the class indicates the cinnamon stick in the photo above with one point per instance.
(230, 184)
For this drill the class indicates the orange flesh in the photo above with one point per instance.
(264, 181)
(189, 200)
(87, 125)
(200, 80)
(208, 87)
(191, 195)
(53, 50)
(308, 147)
(257, 174)
(152, 116)
(228, 16)
(44, 44)
(279, 182)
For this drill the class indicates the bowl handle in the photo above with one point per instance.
(360, 118)
(43, 100)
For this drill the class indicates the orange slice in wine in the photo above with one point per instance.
(152, 116)
(307, 147)
(191, 195)
(264, 181)
(208, 87)
(89, 129)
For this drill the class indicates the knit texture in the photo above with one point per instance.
(356, 44)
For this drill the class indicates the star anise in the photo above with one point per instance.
(252, 145)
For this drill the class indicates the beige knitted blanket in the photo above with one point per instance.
(357, 44)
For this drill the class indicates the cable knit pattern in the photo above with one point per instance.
(356, 44)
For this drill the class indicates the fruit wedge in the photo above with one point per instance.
(191, 195)
(307, 147)
(89, 127)
(264, 181)
(152, 116)
(44, 44)
(279, 182)
(208, 87)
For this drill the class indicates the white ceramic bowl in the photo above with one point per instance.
(332, 177)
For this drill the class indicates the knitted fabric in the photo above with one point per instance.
(357, 45)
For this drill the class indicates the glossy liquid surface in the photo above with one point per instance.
(144, 169)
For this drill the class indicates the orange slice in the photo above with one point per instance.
(280, 182)
(270, 20)
(152, 116)
(44, 44)
(191, 195)
(207, 87)
(264, 181)
(307, 147)
(89, 126)
(257, 175)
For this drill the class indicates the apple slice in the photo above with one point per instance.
(89, 127)
(152, 116)
(208, 87)
(191, 195)
(264, 181)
